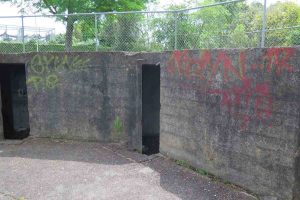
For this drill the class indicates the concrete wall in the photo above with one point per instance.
(1, 121)
(235, 113)
(88, 96)
(70, 95)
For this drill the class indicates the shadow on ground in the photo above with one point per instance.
(57, 169)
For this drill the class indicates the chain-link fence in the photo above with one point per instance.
(233, 24)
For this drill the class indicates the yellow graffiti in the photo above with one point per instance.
(35, 81)
(44, 70)
(38, 82)
(51, 81)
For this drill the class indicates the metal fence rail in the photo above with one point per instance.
(220, 25)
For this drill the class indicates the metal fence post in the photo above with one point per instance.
(148, 32)
(96, 32)
(176, 29)
(22, 33)
(264, 25)
(37, 42)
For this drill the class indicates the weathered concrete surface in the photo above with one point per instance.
(55, 169)
(235, 113)
(1, 120)
(81, 95)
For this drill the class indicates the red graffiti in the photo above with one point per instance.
(183, 64)
(202, 64)
(276, 58)
(180, 62)
(187, 66)
(222, 58)
(233, 98)
(249, 97)
(242, 61)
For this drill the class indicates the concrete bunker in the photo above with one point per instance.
(14, 102)
(231, 112)
(150, 108)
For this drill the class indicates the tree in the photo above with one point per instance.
(69, 9)
(174, 29)
(121, 31)
(281, 17)
(230, 25)
(214, 27)
(294, 38)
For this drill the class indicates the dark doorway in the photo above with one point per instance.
(150, 108)
(14, 101)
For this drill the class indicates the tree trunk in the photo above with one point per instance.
(69, 33)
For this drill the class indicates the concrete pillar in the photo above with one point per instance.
(1, 120)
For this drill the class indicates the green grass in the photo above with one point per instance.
(212, 177)
(118, 125)
(199, 171)
(202, 172)
(117, 129)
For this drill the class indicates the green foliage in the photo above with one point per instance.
(281, 15)
(223, 26)
(202, 172)
(185, 164)
(212, 27)
(125, 37)
(294, 38)
(10, 47)
(227, 26)
(239, 38)
(117, 129)
(214, 24)
(123, 32)
(84, 29)
(118, 125)
(165, 29)
(59, 39)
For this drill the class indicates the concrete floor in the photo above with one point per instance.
(56, 169)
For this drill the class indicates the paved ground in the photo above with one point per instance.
(55, 169)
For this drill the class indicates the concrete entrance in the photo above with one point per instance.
(14, 102)
(150, 108)
(1, 120)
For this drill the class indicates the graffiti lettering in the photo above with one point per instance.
(276, 59)
(233, 98)
(44, 70)
(35, 81)
(227, 65)
(251, 97)
(183, 64)
(51, 81)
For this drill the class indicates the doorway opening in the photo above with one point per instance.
(150, 108)
(14, 101)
